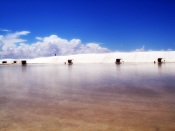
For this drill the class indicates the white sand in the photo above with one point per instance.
(151, 56)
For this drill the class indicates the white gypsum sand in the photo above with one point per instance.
(149, 56)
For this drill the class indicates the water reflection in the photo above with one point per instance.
(23, 67)
(87, 97)
(160, 65)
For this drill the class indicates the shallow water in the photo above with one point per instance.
(92, 97)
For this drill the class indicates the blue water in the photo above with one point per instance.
(126, 87)
(136, 80)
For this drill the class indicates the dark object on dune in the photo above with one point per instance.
(118, 61)
(159, 60)
(4, 62)
(70, 62)
(24, 62)
(14, 62)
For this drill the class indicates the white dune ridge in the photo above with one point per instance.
(137, 57)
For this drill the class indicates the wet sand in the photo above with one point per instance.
(87, 98)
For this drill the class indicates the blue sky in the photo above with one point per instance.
(116, 25)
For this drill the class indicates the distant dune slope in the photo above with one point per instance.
(151, 56)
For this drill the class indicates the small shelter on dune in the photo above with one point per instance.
(118, 61)
(70, 61)
(160, 60)
(24, 62)
(4, 62)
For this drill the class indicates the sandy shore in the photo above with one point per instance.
(85, 111)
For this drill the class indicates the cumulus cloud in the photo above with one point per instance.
(13, 46)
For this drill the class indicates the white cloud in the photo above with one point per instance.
(140, 49)
(12, 38)
(13, 46)
(38, 38)
(5, 30)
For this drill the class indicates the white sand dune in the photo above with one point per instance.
(151, 56)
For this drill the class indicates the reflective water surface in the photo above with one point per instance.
(92, 97)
